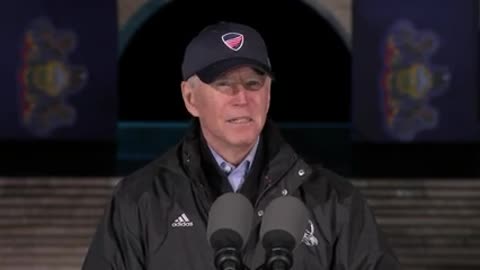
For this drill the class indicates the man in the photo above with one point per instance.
(158, 216)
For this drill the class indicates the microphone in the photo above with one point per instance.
(229, 224)
(282, 230)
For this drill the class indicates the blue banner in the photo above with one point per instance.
(59, 70)
(415, 71)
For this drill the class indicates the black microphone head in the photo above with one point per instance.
(229, 221)
(284, 223)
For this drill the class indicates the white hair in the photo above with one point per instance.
(192, 81)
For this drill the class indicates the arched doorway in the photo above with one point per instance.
(309, 57)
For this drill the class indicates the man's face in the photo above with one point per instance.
(232, 110)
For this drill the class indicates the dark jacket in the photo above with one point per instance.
(142, 228)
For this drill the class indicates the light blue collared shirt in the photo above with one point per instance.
(236, 175)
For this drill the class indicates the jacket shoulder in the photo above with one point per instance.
(327, 183)
(141, 181)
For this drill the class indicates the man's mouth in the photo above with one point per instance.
(240, 120)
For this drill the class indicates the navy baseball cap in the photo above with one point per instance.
(222, 46)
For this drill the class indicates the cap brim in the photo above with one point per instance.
(210, 73)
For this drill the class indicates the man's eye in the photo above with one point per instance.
(254, 84)
(223, 83)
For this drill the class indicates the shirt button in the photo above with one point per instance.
(301, 172)
(226, 168)
(284, 192)
(260, 213)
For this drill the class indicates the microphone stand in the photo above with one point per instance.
(228, 259)
(279, 259)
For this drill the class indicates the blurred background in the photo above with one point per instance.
(384, 92)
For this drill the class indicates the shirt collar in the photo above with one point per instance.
(246, 162)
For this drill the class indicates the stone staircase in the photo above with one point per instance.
(432, 224)
(47, 223)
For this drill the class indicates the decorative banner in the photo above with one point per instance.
(47, 80)
(415, 73)
(409, 81)
(58, 70)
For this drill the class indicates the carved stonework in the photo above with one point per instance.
(339, 10)
(126, 8)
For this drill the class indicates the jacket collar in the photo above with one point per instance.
(280, 157)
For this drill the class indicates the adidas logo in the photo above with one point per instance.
(182, 221)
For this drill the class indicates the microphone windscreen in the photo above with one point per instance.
(230, 221)
(284, 223)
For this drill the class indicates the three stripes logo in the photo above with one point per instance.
(182, 221)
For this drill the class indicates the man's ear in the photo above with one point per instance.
(188, 96)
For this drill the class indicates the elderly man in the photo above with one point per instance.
(158, 215)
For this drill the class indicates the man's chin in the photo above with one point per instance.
(243, 142)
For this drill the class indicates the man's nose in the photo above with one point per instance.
(240, 95)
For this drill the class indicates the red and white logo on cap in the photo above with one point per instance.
(233, 41)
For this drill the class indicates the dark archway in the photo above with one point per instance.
(308, 55)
